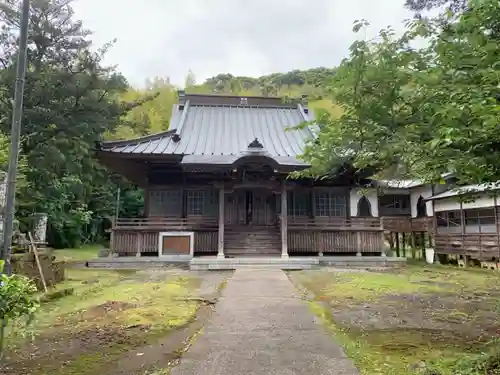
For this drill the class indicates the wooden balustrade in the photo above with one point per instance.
(334, 223)
(167, 223)
(210, 222)
(480, 246)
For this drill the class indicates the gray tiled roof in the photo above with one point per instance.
(219, 134)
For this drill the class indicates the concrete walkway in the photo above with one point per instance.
(261, 326)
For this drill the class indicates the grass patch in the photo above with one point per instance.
(109, 312)
(81, 254)
(391, 352)
(383, 343)
(339, 288)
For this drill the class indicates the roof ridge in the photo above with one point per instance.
(182, 120)
(149, 137)
(228, 105)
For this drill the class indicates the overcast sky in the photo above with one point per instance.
(242, 37)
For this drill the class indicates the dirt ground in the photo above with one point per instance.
(408, 320)
(116, 323)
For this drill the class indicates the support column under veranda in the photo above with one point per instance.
(284, 223)
(220, 247)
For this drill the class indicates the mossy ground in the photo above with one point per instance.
(108, 314)
(399, 322)
(81, 254)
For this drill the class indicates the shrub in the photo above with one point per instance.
(17, 301)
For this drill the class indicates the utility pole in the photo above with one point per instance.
(15, 136)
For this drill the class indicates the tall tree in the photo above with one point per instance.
(421, 5)
(440, 112)
(70, 101)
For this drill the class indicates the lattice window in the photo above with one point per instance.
(212, 202)
(195, 202)
(330, 204)
(480, 220)
(449, 221)
(298, 203)
(165, 203)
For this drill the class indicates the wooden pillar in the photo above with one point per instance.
(403, 243)
(220, 252)
(358, 244)
(496, 224)
(382, 243)
(312, 202)
(397, 245)
(146, 202)
(462, 223)
(112, 238)
(284, 223)
(413, 245)
(138, 244)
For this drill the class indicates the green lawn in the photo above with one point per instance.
(81, 254)
(108, 314)
(420, 319)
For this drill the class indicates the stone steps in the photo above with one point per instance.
(206, 264)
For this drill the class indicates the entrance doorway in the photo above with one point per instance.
(254, 207)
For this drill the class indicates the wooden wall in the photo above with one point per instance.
(134, 242)
(331, 241)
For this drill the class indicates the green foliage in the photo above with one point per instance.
(152, 116)
(16, 298)
(17, 301)
(422, 5)
(292, 84)
(420, 113)
(71, 101)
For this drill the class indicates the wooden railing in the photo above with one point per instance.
(480, 246)
(334, 223)
(167, 223)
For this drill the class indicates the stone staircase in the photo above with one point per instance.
(252, 241)
(215, 264)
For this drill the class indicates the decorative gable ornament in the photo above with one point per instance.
(255, 144)
(243, 101)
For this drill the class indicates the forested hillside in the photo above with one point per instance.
(153, 116)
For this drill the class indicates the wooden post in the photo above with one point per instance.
(413, 245)
(35, 253)
(358, 244)
(284, 223)
(496, 225)
(422, 244)
(397, 245)
(382, 243)
(138, 244)
(220, 253)
(312, 202)
(112, 238)
(462, 224)
(403, 243)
